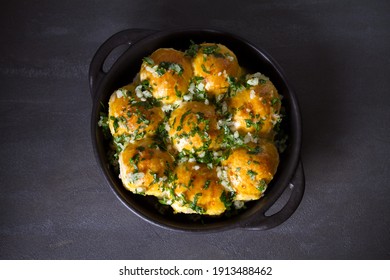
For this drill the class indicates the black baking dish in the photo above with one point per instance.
(140, 44)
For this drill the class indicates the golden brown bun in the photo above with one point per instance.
(198, 190)
(256, 109)
(144, 168)
(194, 126)
(215, 63)
(168, 84)
(127, 114)
(249, 170)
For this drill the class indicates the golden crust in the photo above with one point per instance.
(215, 63)
(198, 190)
(144, 168)
(168, 72)
(256, 109)
(127, 114)
(193, 127)
(250, 169)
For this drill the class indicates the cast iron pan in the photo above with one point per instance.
(143, 42)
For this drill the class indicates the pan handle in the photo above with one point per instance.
(297, 186)
(125, 37)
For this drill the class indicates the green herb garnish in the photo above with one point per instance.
(193, 205)
(262, 185)
(204, 69)
(227, 199)
(165, 66)
(206, 184)
(192, 50)
(252, 174)
(210, 49)
(148, 60)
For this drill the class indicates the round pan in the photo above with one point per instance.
(141, 43)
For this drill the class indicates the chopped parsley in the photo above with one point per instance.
(197, 91)
(180, 126)
(148, 61)
(134, 161)
(162, 136)
(274, 101)
(178, 92)
(103, 123)
(213, 49)
(227, 199)
(120, 142)
(262, 186)
(210, 49)
(141, 148)
(205, 69)
(116, 121)
(192, 50)
(193, 204)
(234, 85)
(254, 151)
(206, 184)
(252, 174)
(257, 125)
(141, 117)
(165, 66)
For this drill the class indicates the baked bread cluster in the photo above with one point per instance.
(195, 130)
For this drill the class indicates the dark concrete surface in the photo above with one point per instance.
(54, 202)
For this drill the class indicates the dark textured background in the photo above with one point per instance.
(54, 202)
